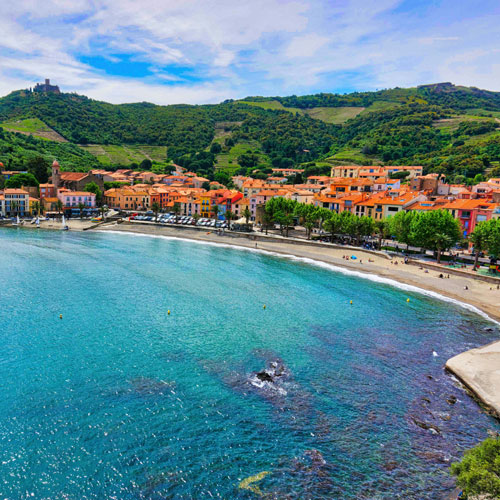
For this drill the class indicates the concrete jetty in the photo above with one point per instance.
(479, 370)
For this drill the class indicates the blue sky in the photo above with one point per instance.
(205, 51)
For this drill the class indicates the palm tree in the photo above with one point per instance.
(215, 211)
(59, 206)
(156, 208)
(177, 210)
(81, 206)
(442, 241)
(247, 214)
(36, 207)
(229, 216)
(14, 205)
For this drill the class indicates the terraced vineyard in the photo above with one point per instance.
(32, 126)
(124, 155)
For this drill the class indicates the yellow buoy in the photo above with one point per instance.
(408, 299)
(264, 306)
(350, 302)
(168, 312)
(60, 316)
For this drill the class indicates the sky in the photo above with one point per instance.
(206, 51)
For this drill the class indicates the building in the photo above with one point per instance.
(75, 198)
(16, 202)
(46, 87)
(47, 191)
(74, 181)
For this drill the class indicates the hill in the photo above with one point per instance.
(446, 128)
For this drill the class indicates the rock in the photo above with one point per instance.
(452, 400)
(264, 376)
(428, 427)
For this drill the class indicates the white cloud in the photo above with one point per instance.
(209, 50)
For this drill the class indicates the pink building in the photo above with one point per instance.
(74, 198)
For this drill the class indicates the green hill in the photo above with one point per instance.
(446, 128)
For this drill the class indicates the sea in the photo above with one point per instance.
(134, 367)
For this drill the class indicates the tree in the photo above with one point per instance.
(81, 206)
(36, 207)
(436, 230)
(333, 225)
(156, 209)
(400, 227)
(479, 238)
(215, 148)
(177, 210)
(247, 214)
(19, 180)
(494, 237)
(59, 206)
(14, 206)
(267, 220)
(196, 217)
(382, 230)
(146, 164)
(38, 166)
(229, 216)
(478, 473)
(92, 187)
(215, 211)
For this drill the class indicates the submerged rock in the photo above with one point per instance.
(426, 426)
(150, 386)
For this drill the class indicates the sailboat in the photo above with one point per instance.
(64, 225)
(37, 222)
(18, 222)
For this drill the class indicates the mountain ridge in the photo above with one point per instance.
(447, 128)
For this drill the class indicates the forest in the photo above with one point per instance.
(448, 129)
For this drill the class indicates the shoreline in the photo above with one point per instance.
(478, 293)
(477, 296)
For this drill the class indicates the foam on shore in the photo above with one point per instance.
(325, 265)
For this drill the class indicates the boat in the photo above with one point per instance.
(18, 222)
(37, 222)
(64, 225)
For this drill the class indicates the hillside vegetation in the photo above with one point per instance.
(446, 128)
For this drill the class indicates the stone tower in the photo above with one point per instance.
(56, 175)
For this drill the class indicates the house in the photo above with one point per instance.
(75, 198)
(16, 202)
(470, 212)
(47, 191)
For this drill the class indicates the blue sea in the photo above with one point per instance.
(121, 400)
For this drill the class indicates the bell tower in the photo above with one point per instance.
(56, 175)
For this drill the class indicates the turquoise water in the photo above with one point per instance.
(118, 400)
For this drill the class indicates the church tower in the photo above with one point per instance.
(56, 175)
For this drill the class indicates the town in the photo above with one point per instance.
(375, 192)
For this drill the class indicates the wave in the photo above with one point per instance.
(324, 265)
